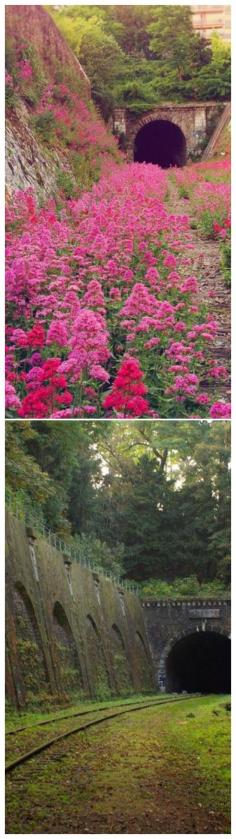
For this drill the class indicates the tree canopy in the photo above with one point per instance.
(137, 56)
(151, 500)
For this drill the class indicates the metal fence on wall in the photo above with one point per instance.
(64, 548)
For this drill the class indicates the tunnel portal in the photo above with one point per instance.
(161, 142)
(199, 662)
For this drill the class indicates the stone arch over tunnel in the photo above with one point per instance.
(198, 661)
(29, 645)
(161, 142)
(66, 652)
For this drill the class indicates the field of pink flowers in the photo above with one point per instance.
(207, 185)
(101, 311)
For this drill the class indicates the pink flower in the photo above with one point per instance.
(103, 273)
(19, 338)
(127, 394)
(57, 333)
(153, 342)
(98, 372)
(12, 400)
(26, 71)
(218, 372)
(220, 410)
(202, 399)
(169, 261)
(189, 285)
(114, 293)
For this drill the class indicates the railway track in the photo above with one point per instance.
(111, 714)
(58, 719)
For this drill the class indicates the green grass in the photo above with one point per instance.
(162, 770)
(29, 717)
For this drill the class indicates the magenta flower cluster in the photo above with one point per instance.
(102, 317)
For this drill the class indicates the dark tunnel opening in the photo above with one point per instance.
(160, 142)
(200, 663)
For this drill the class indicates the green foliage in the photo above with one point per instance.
(92, 549)
(25, 478)
(207, 220)
(182, 587)
(215, 78)
(225, 261)
(137, 56)
(65, 183)
(102, 688)
(10, 97)
(183, 191)
(33, 671)
(45, 124)
(178, 48)
(69, 675)
(86, 171)
(143, 500)
(103, 59)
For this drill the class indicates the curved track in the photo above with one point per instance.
(104, 707)
(112, 714)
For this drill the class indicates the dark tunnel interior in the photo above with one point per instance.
(160, 142)
(199, 663)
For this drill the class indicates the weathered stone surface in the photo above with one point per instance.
(26, 165)
(197, 121)
(79, 630)
(169, 621)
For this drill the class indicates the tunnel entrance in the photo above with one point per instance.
(161, 142)
(199, 662)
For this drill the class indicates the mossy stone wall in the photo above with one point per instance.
(84, 637)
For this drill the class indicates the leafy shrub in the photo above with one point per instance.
(225, 261)
(66, 183)
(183, 191)
(45, 124)
(182, 587)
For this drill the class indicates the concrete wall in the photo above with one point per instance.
(68, 630)
(169, 621)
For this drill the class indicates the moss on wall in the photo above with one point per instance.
(82, 633)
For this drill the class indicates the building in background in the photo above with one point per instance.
(209, 19)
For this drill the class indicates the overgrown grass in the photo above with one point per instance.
(32, 717)
(163, 770)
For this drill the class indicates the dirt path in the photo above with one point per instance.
(205, 257)
(158, 771)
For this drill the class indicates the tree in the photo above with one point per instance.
(144, 499)
(214, 80)
(138, 56)
(175, 44)
(104, 62)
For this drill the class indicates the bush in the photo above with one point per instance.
(10, 95)
(182, 587)
(66, 183)
(45, 124)
(225, 261)
(183, 192)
